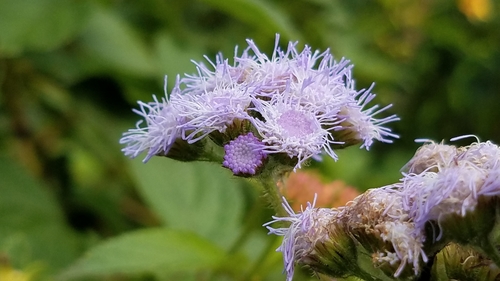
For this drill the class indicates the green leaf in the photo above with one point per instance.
(111, 43)
(38, 25)
(148, 251)
(259, 14)
(201, 197)
(32, 227)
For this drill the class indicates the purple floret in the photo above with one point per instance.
(244, 155)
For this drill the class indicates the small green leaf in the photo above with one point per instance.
(201, 197)
(147, 251)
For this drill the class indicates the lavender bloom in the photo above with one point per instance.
(210, 111)
(359, 124)
(300, 104)
(296, 70)
(206, 80)
(244, 155)
(291, 128)
(306, 229)
(160, 132)
(456, 186)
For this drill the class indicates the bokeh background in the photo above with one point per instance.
(73, 208)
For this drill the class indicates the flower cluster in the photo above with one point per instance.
(296, 104)
(444, 180)
(453, 188)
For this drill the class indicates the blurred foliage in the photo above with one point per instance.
(71, 70)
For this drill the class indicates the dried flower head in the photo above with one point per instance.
(431, 156)
(378, 220)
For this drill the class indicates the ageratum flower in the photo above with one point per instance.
(463, 262)
(431, 157)
(159, 133)
(465, 175)
(213, 110)
(297, 130)
(359, 124)
(324, 239)
(308, 241)
(299, 104)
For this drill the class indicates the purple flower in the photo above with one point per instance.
(297, 103)
(301, 131)
(159, 133)
(307, 228)
(244, 155)
(452, 183)
(210, 111)
(359, 124)
(222, 75)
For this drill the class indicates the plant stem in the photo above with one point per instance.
(273, 195)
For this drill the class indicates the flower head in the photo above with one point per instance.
(244, 155)
(463, 262)
(359, 125)
(210, 111)
(301, 104)
(307, 228)
(296, 130)
(462, 176)
(431, 157)
(159, 133)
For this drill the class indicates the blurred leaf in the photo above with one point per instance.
(358, 167)
(38, 25)
(174, 59)
(112, 44)
(259, 14)
(200, 197)
(147, 251)
(32, 226)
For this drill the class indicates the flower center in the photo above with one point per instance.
(296, 123)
